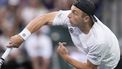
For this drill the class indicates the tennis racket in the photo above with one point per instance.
(4, 56)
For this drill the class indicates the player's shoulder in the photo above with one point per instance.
(62, 13)
(61, 18)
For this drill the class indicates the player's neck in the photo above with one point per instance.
(86, 27)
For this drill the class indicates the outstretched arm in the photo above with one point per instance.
(39, 21)
(34, 25)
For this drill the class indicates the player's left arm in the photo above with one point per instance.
(63, 52)
(79, 65)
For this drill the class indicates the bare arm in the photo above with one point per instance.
(79, 65)
(39, 21)
(34, 25)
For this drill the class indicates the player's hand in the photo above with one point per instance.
(15, 41)
(62, 51)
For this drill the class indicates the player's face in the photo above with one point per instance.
(76, 16)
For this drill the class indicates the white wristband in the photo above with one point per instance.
(25, 33)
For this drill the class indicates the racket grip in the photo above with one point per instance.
(1, 62)
(6, 53)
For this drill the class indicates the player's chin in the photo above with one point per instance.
(73, 25)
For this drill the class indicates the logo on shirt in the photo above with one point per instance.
(71, 30)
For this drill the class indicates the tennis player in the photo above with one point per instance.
(95, 40)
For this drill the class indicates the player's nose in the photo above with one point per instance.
(70, 15)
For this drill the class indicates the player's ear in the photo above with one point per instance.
(86, 18)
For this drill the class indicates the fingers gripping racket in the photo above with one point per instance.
(4, 56)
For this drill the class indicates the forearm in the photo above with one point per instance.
(33, 26)
(77, 64)
(36, 23)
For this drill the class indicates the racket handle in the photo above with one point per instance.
(1, 62)
(6, 53)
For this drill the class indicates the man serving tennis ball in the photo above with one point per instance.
(95, 40)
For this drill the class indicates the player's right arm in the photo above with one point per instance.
(39, 21)
(34, 25)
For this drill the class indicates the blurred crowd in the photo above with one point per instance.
(38, 51)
